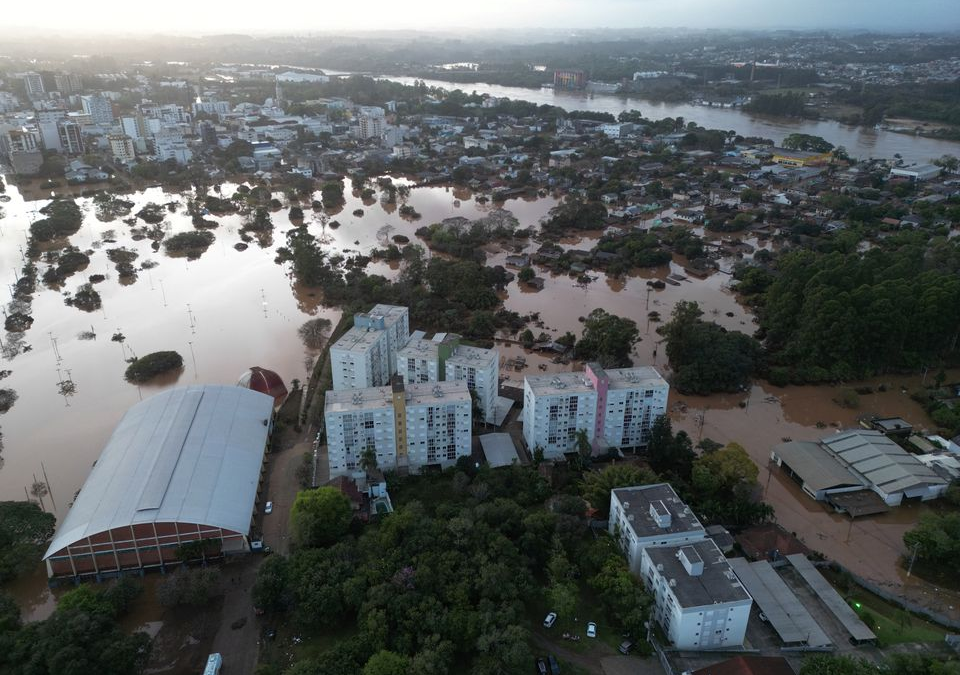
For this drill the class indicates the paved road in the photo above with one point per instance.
(239, 647)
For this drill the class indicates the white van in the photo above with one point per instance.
(214, 662)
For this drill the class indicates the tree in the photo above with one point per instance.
(368, 459)
(319, 517)
(597, 485)
(807, 143)
(148, 367)
(25, 531)
(668, 453)
(526, 274)
(270, 589)
(706, 357)
(387, 663)
(723, 484)
(936, 539)
(607, 338)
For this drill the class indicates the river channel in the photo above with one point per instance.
(860, 142)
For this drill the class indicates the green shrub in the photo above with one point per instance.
(147, 367)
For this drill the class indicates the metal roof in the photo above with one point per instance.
(781, 606)
(189, 455)
(499, 449)
(880, 461)
(817, 467)
(836, 604)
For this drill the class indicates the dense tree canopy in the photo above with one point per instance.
(25, 531)
(846, 316)
(706, 357)
(319, 517)
(607, 338)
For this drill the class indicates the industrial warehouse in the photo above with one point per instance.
(181, 467)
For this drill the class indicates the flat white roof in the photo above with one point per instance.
(466, 355)
(352, 400)
(643, 377)
(358, 339)
(188, 455)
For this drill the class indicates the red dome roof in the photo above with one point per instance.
(265, 381)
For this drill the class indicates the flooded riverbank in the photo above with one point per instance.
(861, 142)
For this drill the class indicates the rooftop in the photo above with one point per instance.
(717, 583)
(190, 454)
(636, 502)
(357, 339)
(472, 356)
(880, 461)
(578, 382)
(350, 400)
(817, 468)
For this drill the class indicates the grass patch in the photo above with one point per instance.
(892, 624)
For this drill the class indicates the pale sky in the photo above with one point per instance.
(247, 16)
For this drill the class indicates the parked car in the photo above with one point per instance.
(626, 647)
(550, 620)
(554, 666)
(591, 629)
(268, 508)
(541, 666)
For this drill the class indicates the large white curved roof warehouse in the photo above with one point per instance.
(190, 455)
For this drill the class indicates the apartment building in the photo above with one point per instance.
(407, 426)
(71, 137)
(99, 108)
(650, 515)
(698, 600)
(121, 147)
(615, 407)
(443, 358)
(480, 369)
(366, 355)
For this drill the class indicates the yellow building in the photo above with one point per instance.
(799, 157)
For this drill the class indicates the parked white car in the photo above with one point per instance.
(550, 620)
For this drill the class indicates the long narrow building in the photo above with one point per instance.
(182, 467)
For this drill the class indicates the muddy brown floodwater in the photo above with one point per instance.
(224, 312)
(230, 309)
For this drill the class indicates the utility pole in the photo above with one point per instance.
(913, 558)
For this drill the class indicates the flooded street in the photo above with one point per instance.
(871, 546)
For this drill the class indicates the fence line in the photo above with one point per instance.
(895, 599)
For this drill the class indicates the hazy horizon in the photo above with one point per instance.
(191, 18)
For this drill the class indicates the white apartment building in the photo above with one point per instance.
(34, 84)
(121, 147)
(169, 144)
(480, 369)
(698, 600)
(443, 358)
(99, 108)
(408, 426)
(218, 108)
(650, 515)
(616, 407)
(47, 123)
(366, 355)
(8, 102)
(371, 126)
(422, 359)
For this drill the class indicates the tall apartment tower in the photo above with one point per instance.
(616, 408)
(407, 427)
(366, 355)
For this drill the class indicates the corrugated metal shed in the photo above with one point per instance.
(189, 455)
